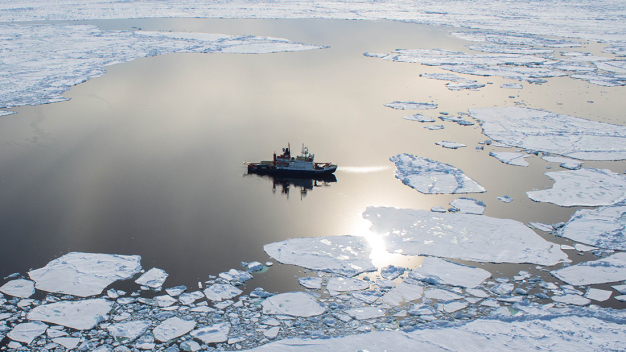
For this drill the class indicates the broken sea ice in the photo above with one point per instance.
(604, 227)
(437, 271)
(609, 269)
(298, 304)
(79, 315)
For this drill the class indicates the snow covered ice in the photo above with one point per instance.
(220, 292)
(236, 275)
(346, 284)
(18, 288)
(84, 274)
(461, 236)
(410, 105)
(343, 255)
(213, 333)
(583, 187)
(311, 282)
(432, 177)
(419, 118)
(128, 331)
(403, 293)
(442, 272)
(602, 227)
(563, 162)
(516, 159)
(364, 313)
(26, 332)
(468, 206)
(553, 133)
(609, 269)
(172, 328)
(297, 304)
(79, 315)
(153, 278)
(450, 145)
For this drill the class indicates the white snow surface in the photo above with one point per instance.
(516, 159)
(219, 292)
(461, 236)
(27, 332)
(603, 227)
(42, 61)
(79, 315)
(433, 177)
(153, 278)
(598, 294)
(410, 105)
(343, 255)
(583, 187)
(469, 205)
(609, 269)
(298, 304)
(346, 284)
(18, 288)
(442, 272)
(212, 333)
(236, 275)
(403, 293)
(128, 331)
(311, 282)
(84, 274)
(172, 328)
(553, 133)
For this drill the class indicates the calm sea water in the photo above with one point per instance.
(148, 159)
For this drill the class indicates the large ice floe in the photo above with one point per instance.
(609, 269)
(433, 177)
(19, 288)
(85, 274)
(583, 187)
(297, 304)
(153, 278)
(344, 255)
(79, 315)
(461, 236)
(604, 227)
(539, 130)
(36, 73)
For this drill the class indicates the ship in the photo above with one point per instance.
(300, 166)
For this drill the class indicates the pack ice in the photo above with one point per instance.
(609, 269)
(583, 187)
(603, 227)
(461, 236)
(432, 177)
(553, 133)
(85, 274)
(343, 255)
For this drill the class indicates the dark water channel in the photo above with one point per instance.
(148, 159)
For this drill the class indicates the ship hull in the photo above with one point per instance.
(262, 169)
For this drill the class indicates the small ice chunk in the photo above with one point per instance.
(67, 342)
(598, 295)
(346, 284)
(172, 328)
(512, 86)
(571, 299)
(391, 272)
(27, 332)
(272, 332)
(255, 266)
(165, 300)
(516, 159)
(541, 226)
(363, 313)
(421, 309)
(435, 127)
(450, 145)
(236, 275)
(583, 248)
(369, 296)
(189, 298)
(85, 274)
(477, 292)
(452, 307)
(442, 295)
(505, 199)
(419, 118)
(432, 177)
(609, 269)
(621, 298)
(128, 331)
(565, 163)
(153, 278)
(79, 315)
(620, 288)
(490, 302)
(343, 255)
(224, 304)
(438, 271)
(503, 288)
(18, 288)
(259, 292)
(403, 293)
(311, 282)
(268, 264)
(469, 205)
(385, 284)
(438, 209)
(298, 304)
(219, 292)
(213, 333)
(603, 227)
(567, 247)
(176, 291)
(410, 105)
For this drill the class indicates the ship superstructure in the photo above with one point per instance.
(302, 164)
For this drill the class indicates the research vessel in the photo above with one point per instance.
(302, 165)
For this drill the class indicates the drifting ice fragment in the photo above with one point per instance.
(391, 272)
(18, 288)
(311, 282)
(553, 133)
(442, 295)
(421, 309)
(153, 278)
(477, 292)
(405, 292)
(165, 300)
(363, 313)
(27, 332)
(419, 118)
(598, 295)
(514, 39)
(435, 127)
(512, 86)
(584, 187)
(236, 275)
(469, 205)
(67, 342)
(189, 298)
(604, 227)
(505, 199)
(79, 315)
(368, 297)
(438, 209)
(609, 269)
(176, 291)
(571, 299)
(450, 145)
(461, 236)
(272, 333)
(516, 159)
(254, 266)
(172, 328)
(213, 333)
(298, 304)
(442, 272)
(509, 49)
(564, 162)
(219, 292)
(432, 177)
(343, 255)
(453, 306)
(346, 284)
(458, 83)
(128, 331)
(410, 105)
(620, 288)
(85, 274)
(583, 248)
(541, 226)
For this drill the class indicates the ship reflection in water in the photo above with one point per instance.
(303, 184)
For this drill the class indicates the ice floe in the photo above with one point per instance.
(442, 272)
(79, 315)
(364, 313)
(516, 159)
(442, 295)
(176, 291)
(410, 105)
(505, 199)
(311, 282)
(598, 295)
(236, 275)
(172, 328)
(153, 278)
(18, 288)
(346, 284)
(220, 292)
(298, 304)
(468, 206)
(512, 86)
(457, 83)
(433, 177)
(609, 269)
(38, 74)
(128, 331)
(343, 255)
(510, 38)
(572, 299)
(213, 333)
(461, 236)
(604, 227)
(450, 145)
(391, 272)
(85, 274)
(563, 162)
(27, 332)
(190, 297)
(419, 118)
(435, 127)
(403, 293)
(583, 187)
(553, 133)
(67, 342)
(509, 49)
